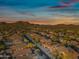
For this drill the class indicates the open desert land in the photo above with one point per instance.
(26, 40)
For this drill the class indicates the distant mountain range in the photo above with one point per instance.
(61, 20)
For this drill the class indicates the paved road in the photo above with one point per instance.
(71, 46)
(49, 56)
(46, 37)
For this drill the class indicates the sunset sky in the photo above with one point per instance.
(39, 9)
